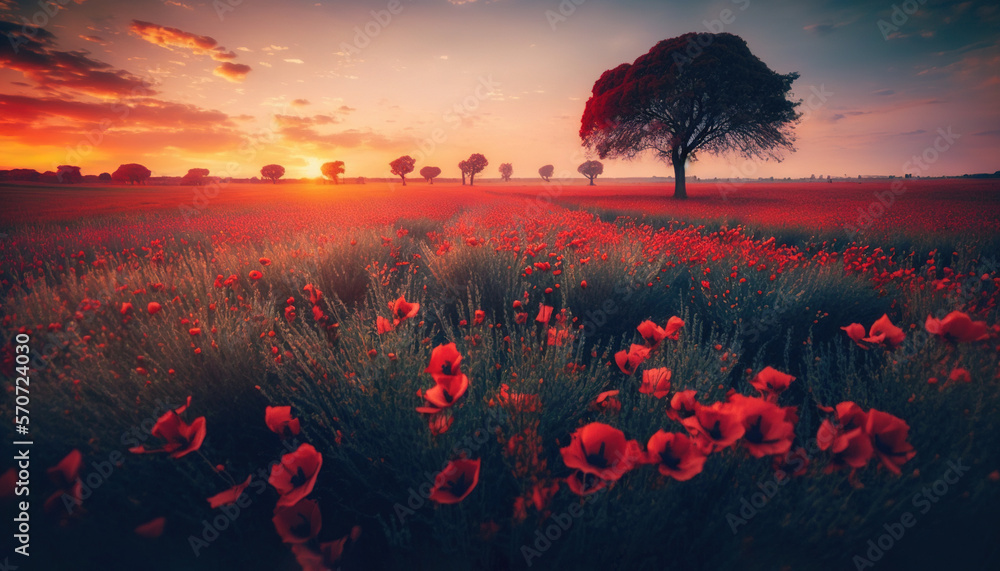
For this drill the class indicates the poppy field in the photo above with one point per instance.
(518, 376)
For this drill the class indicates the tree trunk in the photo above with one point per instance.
(404, 180)
(591, 181)
(472, 180)
(680, 186)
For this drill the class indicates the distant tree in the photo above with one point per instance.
(49, 177)
(591, 169)
(272, 172)
(195, 177)
(131, 173)
(104, 177)
(546, 172)
(429, 173)
(464, 167)
(69, 174)
(332, 170)
(690, 94)
(506, 170)
(26, 175)
(402, 167)
(477, 163)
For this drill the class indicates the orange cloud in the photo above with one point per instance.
(235, 72)
(167, 37)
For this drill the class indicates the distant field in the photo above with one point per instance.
(919, 205)
(403, 333)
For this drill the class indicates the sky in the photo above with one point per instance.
(232, 85)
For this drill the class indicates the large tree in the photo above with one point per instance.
(477, 163)
(690, 94)
(332, 170)
(131, 173)
(69, 174)
(506, 171)
(195, 177)
(546, 172)
(272, 172)
(402, 166)
(591, 169)
(429, 173)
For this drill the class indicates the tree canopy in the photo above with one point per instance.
(591, 169)
(402, 166)
(690, 94)
(546, 172)
(429, 173)
(272, 172)
(476, 163)
(332, 170)
(506, 171)
(131, 173)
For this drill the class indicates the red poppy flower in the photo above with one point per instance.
(520, 402)
(883, 332)
(557, 336)
(682, 405)
(315, 295)
(673, 328)
(194, 331)
(152, 528)
(290, 313)
(629, 361)
(607, 401)
(767, 430)
(544, 313)
(445, 360)
(583, 484)
(126, 308)
(383, 325)
(226, 497)
(542, 495)
(850, 449)
(520, 318)
(66, 477)
(403, 310)
(771, 383)
(295, 476)
(67, 471)
(856, 332)
(651, 333)
(298, 523)
(848, 416)
(456, 481)
(439, 423)
(153, 307)
(675, 454)
(715, 427)
(446, 390)
(656, 382)
(957, 327)
(255, 275)
(959, 374)
(888, 435)
(264, 261)
(601, 450)
(329, 554)
(181, 438)
(478, 317)
(279, 420)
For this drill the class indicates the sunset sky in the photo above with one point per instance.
(232, 85)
